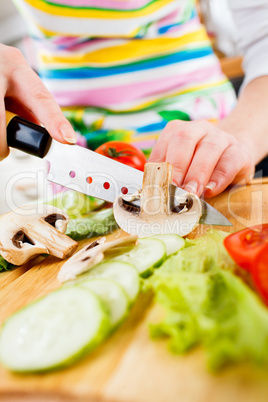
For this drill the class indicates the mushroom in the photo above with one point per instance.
(160, 212)
(27, 232)
(90, 256)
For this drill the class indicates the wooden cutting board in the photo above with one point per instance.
(129, 367)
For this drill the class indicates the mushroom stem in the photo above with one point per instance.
(159, 212)
(155, 198)
(56, 243)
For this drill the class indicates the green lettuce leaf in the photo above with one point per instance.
(207, 305)
(75, 204)
(95, 224)
(4, 265)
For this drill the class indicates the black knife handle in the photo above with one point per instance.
(28, 137)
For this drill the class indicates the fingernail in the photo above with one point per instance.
(191, 186)
(211, 185)
(68, 134)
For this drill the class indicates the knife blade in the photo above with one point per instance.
(86, 171)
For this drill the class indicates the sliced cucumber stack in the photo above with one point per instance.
(122, 273)
(173, 242)
(53, 331)
(112, 295)
(147, 255)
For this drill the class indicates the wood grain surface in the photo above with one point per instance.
(129, 367)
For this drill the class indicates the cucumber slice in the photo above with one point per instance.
(147, 255)
(122, 273)
(53, 331)
(173, 242)
(112, 295)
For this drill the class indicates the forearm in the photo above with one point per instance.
(248, 122)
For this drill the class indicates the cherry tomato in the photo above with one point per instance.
(246, 245)
(260, 274)
(124, 153)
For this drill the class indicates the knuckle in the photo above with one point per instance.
(186, 134)
(174, 125)
(12, 61)
(39, 93)
(181, 134)
(15, 54)
(223, 174)
(176, 163)
(228, 168)
(12, 54)
(232, 141)
(177, 167)
(213, 145)
(203, 124)
(229, 162)
(202, 167)
(171, 126)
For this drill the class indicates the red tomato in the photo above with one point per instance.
(260, 274)
(246, 245)
(124, 153)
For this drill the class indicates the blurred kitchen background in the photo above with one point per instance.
(13, 31)
(12, 26)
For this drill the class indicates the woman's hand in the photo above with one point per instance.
(22, 92)
(204, 157)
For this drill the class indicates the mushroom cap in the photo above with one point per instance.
(89, 256)
(34, 229)
(180, 223)
(82, 261)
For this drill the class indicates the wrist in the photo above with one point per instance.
(245, 137)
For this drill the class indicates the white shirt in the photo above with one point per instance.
(251, 19)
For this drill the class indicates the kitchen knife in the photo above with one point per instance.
(86, 171)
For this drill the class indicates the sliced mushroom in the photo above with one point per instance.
(89, 256)
(27, 232)
(160, 212)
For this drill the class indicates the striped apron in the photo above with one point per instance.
(120, 69)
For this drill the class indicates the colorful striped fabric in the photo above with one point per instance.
(115, 66)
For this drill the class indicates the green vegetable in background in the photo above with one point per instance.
(95, 224)
(207, 304)
(75, 204)
(4, 265)
(170, 115)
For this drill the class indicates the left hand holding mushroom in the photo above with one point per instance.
(203, 156)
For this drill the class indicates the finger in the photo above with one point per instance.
(4, 150)
(159, 151)
(182, 148)
(231, 165)
(206, 157)
(14, 106)
(27, 88)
